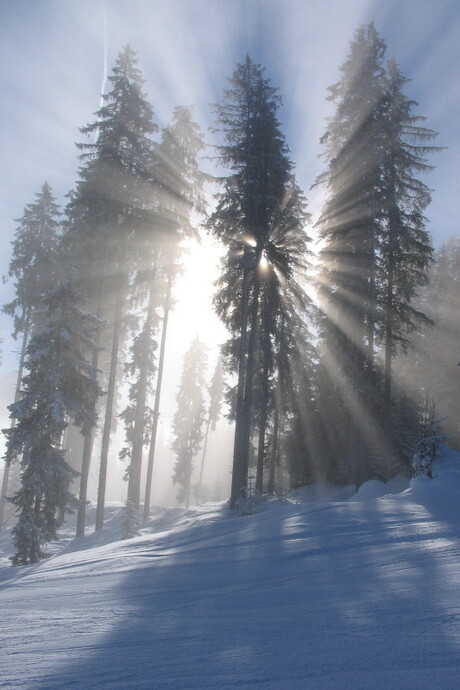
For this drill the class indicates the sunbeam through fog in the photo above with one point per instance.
(300, 290)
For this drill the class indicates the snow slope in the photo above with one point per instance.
(319, 590)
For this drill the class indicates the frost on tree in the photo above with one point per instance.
(60, 387)
(34, 268)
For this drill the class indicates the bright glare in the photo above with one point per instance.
(53, 88)
(263, 263)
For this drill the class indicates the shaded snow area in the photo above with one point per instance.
(322, 589)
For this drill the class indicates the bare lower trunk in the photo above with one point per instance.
(261, 447)
(156, 409)
(388, 363)
(271, 474)
(85, 465)
(249, 384)
(371, 304)
(239, 476)
(389, 331)
(135, 467)
(109, 412)
(188, 482)
(265, 396)
(208, 424)
(83, 494)
(4, 494)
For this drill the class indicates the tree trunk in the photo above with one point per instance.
(271, 474)
(388, 342)
(249, 385)
(135, 466)
(156, 408)
(261, 445)
(239, 476)
(208, 424)
(371, 294)
(264, 401)
(188, 480)
(83, 493)
(87, 452)
(89, 437)
(109, 410)
(277, 406)
(389, 317)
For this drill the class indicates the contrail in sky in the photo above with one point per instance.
(104, 69)
(104, 73)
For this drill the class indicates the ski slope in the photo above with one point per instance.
(321, 589)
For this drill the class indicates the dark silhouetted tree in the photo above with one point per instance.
(258, 212)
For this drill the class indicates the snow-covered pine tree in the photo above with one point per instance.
(33, 267)
(60, 386)
(189, 417)
(430, 440)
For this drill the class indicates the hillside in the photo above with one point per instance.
(320, 589)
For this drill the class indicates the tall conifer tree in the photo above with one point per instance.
(349, 227)
(35, 267)
(376, 250)
(60, 385)
(110, 212)
(251, 216)
(405, 250)
(180, 194)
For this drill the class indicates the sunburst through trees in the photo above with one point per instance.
(310, 383)
(260, 217)
(376, 254)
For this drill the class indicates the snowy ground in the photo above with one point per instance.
(320, 590)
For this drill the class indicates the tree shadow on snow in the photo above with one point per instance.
(336, 596)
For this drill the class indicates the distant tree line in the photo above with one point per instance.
(317, 376)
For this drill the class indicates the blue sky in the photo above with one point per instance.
(52, 54)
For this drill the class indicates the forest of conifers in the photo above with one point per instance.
(339, 363)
